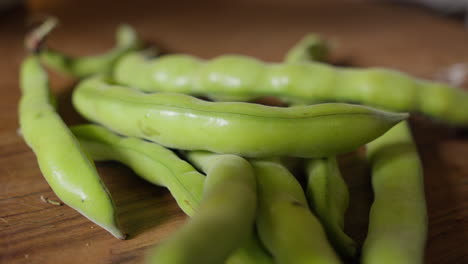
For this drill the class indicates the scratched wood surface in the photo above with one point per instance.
(363, 33)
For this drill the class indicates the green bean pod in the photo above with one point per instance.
(328, 196)
(126, 41)
(150, 161)
(184, 122)
(398, 216)
(63, 163)
(286, 226)
(247, 78)
(251, 252)
(224, 221)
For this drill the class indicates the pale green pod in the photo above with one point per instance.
(245, 78)
(150, 161)
(63, 163)
(184, 122)
(252, 251)
(224, 221)
(328, 196)
(285, 224)
(126, 41)
(398, 216)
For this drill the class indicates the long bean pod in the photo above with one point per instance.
(285, 223)
(224, 220)
(63, 163)
(150, 161)
(184, 122)
(398, 217)
(245, 77)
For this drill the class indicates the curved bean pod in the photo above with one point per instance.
(285, 223)
(65, 166)
(126, 41)
(328, 196)
(398, 216)
(247, 78)
(224, 220)
(150, 161)
(184, 122)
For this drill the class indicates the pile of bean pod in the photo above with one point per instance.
(222, 159)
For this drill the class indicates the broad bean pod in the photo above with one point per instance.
(184, 122)
(63, 163)
(126, 41)
(224, 221)
(242, 77)
(328, 196)
(285, 224)
(150, 161)
(252, 251)
(398, 216)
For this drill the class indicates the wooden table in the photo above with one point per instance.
(364, 34)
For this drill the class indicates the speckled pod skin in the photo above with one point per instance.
(242, 78)
(184, 122)
(398, 216)
(63, 163)
(150, 161)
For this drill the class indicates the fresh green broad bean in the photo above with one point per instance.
(252, 251)
(150, 161)
(247, 78)
(224, 220)
(398, 216)
(184, 122)
(127, 41)
(328, 196)
(63, 163)
(286, 226)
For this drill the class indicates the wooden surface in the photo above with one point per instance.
(364, 33)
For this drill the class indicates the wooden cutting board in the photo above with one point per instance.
(364, 33)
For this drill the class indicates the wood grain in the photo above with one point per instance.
(364, 33)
